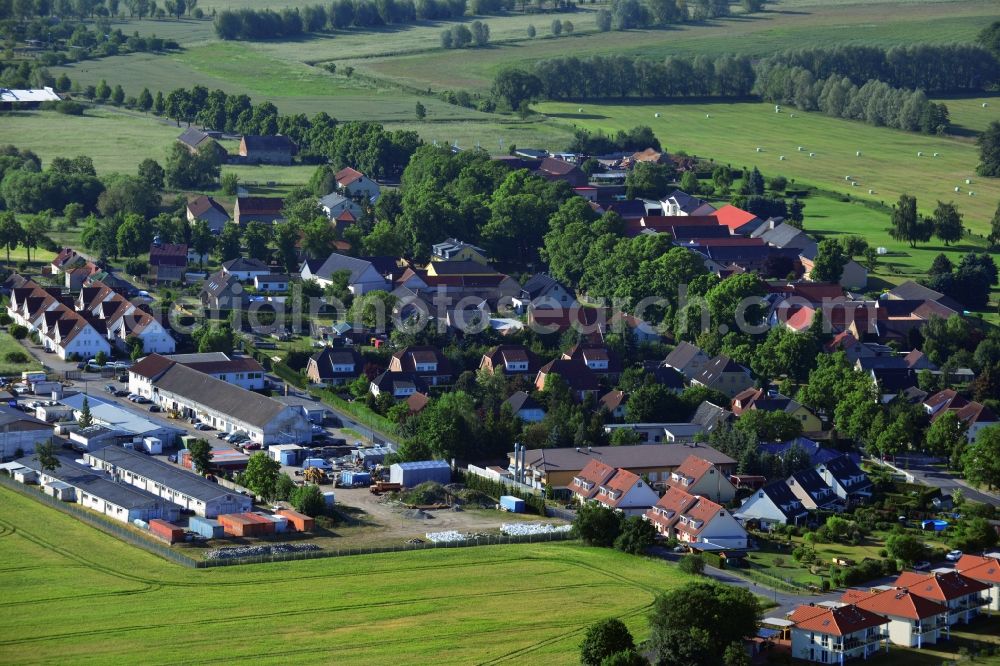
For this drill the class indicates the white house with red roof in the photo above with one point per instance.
(695, 520)
(913, 620)
(698, 476)
(353, 183)
(833, 635)
(615, 488)
(974, 415)
(963, 596)
(986, 570)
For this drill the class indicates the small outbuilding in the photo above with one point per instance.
(410, 474)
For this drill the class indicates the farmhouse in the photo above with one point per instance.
(558, 467)
(20, 432)
(207, 209)
(162, 479)
(222, 405)
(267, 149)
(73, 482)
(833, 635)
(353, 183)
(738, 221)
(195, 140)
(268, 210)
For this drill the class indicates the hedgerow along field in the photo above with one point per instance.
(889, 163)
(72, 593)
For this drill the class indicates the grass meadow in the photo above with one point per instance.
(8, 345)
(74, 594)
(888, 165)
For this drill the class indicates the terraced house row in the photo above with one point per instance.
(81, 327)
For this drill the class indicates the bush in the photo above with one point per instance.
(692, 564)
(604, 639)
(18, 357)
(18, 332)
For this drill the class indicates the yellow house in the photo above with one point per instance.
(755, 398)
(455, 268)
(455, 250)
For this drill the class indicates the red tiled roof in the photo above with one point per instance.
(693, 468)
(939, 587)
(733, 217)
(615, 489)
(347, 175)
(983, 569)
(594, 474)
(668, 510)
(896, 603)
(835, 621)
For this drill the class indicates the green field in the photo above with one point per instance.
(8, 345)
(731, 133)
(73, 594)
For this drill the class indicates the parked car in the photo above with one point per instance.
(922, 566)
(172, 457)
(121, 393)
(203, 426)
(252, 446)
(334, 421)
(155, 408)
(110, 388)
(954, 556)
(222, 435)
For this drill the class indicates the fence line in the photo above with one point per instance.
(124, 533)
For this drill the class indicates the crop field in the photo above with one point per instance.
(889, 165)
(880, 24)
(72, 593)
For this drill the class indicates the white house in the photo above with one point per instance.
(244, 269)
(913, 620)
(692, 519)
(985, 569)
(774, 504)
(615, 488)
(353, 183)
(964, 597)
(525, 407)
(834, 635)
(335, 204)
(697, 476)
(363, 276)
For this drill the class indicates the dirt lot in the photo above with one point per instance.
(395, 526)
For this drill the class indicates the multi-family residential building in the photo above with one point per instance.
(614, 488)
(698, 476)
(986, 570)
(833, 635)
(696, 520)
(964, 597)
(913, 620)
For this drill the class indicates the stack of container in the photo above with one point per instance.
(206, 527)
(246, 525)
(280, 522)
(167, 531)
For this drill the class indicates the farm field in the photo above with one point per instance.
(731, 133)
(72, 593)
(879, 24)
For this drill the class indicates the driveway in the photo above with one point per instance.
(929, 471)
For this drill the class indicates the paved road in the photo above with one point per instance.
(928, 471)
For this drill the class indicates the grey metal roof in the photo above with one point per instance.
(96, 484)
(10, 418)
(520, 400)
(341, 262)
(682, 355)
(186, 483)
(541, 284)
(785, 235)
(223, 397)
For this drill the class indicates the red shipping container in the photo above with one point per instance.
(300, 521)
(165, 530)
(246, 525)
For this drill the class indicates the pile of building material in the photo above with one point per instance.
(449, 536)
(524, 529)
(238, 552)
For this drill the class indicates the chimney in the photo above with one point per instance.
(516, 460)
(524, 458)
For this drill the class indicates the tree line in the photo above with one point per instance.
(251, 24)
(22, 10)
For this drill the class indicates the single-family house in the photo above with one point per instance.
(334, 366)
(813, 491)
(833, 635)
(207, 209)
(352, 183)
(272, 283)
(698, 476)
(774, 504)
(453, 249)
(599, 359)
(722, 373)
(615, 488)
(335, 204)
(245, 269)
(848, 481)
(510, 360)
(424, 361)
(222, 292)
(524, 407)
(398, 384)
(974, 415)
(687, 359)
(268, 210)
(277, 149)
(679, 202)
(614, 403)
(364, 276)
(580, 379)
(913, 620)
(772, 401)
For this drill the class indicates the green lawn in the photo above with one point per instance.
(10, 345)
(731, 134)
(74, 594)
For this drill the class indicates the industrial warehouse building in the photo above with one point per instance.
(189, 490)
(121, 420)
(20, 432)
(411, 474)
(223, 406)
(76, 482)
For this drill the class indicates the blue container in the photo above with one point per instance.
(354, 479)
(512, 504)
(287, 458)
(206, 527)
(315, 462)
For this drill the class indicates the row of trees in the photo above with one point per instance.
(459, 37)
(255, 24)
(23, 10)
(875, 102)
